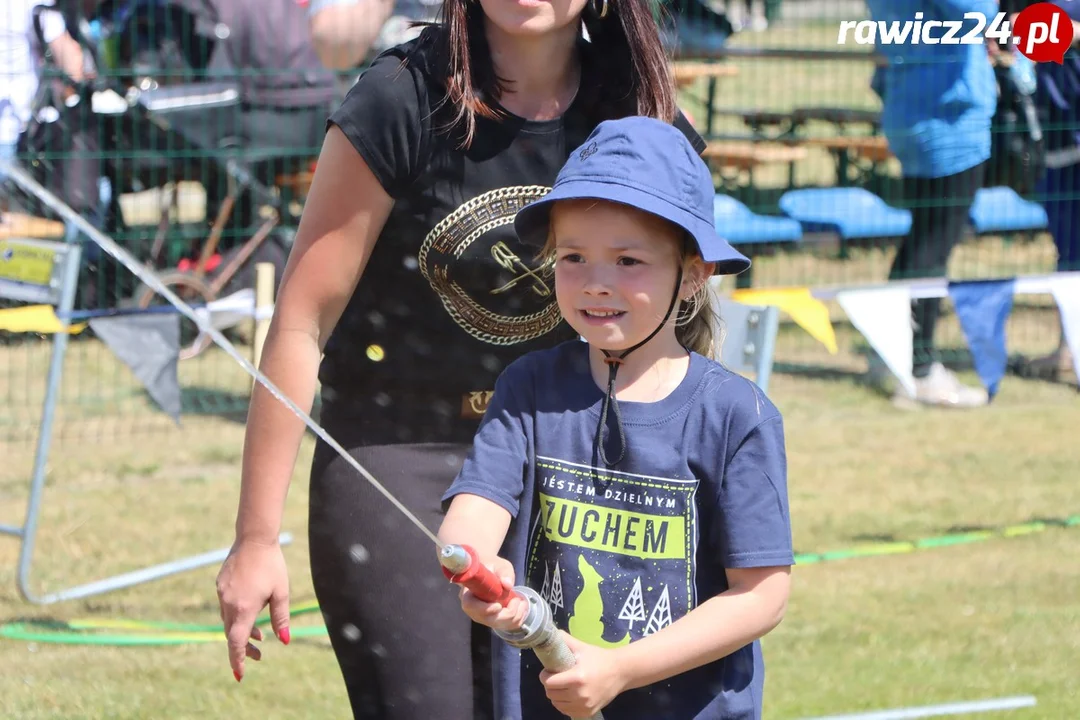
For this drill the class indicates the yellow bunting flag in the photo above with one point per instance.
(34, 319)
(808, 312)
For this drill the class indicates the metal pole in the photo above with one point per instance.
(70, 281)
(961, 708)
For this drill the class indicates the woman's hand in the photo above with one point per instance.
(492, 614)
(253, 575)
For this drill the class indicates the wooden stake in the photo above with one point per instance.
(264, 301)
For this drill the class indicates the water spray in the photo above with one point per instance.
(20, 177)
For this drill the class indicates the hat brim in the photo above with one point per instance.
(533, 220)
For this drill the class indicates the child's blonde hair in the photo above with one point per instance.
(696, 318)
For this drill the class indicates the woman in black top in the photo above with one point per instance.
(407, 278)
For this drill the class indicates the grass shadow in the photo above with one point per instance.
(225, 404)
(1059, 522)
(820, 372)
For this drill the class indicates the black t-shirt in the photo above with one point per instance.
(449, 296)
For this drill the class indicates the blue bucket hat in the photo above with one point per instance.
(647, 164)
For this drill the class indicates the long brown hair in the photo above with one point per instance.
(626, 52)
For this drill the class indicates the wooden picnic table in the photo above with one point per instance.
(744, 156)
(688, 71)
(748, 154)
(17, 225)
(874, 148)
(838, 116)
(728, 52)
(782, 124)
(847, 149)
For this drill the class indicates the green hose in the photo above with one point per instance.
(39, 632)
(128, 633)
(139, 632)
(94, 624)
(938, 541)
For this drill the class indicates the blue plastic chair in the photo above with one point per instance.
(1002, 210)
(850, 212)
(742, 226)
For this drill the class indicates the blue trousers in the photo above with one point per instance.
(1060, 188)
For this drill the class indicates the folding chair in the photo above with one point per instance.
(850, 212)
(742, 226)
(748, 338)
(1002, 210)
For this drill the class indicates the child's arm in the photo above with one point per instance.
(486, 494)
(476, 521)
(751, 535)
(753, 605)
(482, 524)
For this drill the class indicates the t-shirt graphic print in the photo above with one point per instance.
(612, 552)
(519, 304)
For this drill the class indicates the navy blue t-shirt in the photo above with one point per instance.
(623, 552)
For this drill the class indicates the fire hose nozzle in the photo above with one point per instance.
(538, 626)
(461, 565)
(455, 559)
(538, 632)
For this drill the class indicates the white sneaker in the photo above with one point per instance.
(941, 388)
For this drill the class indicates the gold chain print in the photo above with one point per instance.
(448, 241)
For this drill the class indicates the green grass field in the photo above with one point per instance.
(988, 619)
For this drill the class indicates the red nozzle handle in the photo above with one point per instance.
(481, 582)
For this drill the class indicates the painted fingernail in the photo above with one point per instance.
(236, 674)
(284, 636)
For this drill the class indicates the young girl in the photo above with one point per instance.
(639, 486)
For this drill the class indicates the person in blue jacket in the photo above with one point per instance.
(938, 101)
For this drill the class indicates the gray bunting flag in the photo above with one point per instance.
(150, 346)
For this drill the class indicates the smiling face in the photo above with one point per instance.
(615, 272)
(533, 17)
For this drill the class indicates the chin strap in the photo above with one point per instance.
(613, 362)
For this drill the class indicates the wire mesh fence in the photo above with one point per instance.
(197, 157)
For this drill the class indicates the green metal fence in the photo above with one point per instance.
(783, 105)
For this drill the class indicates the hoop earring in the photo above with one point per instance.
(690, 311)
(602, 12)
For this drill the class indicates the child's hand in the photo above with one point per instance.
(493, 614)
(585, 689)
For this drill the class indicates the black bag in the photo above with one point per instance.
(1017, 146)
